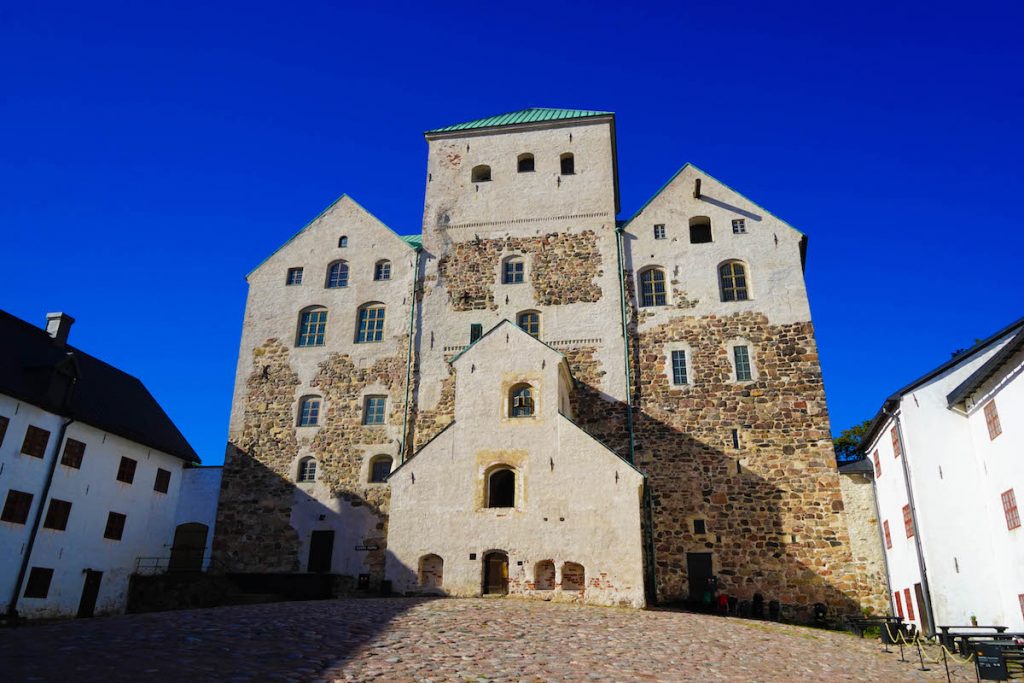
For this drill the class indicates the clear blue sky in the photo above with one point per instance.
(152, 153)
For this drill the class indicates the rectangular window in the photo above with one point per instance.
(514, 272)
(382, 270)
(126, 470)
(16, 507)
(4, 421)
(700, 526)
(57, 515)
(309, 414)
(380, 470)
(739, 226)
(1010, 509)
(313, 328)
(679, 367)
(659, 231)
(35, 442)
(897, 451)
(371, 324)
(115, 526)
(476, 330)
(908, 521)
(294, 276)
(74, 452)
(910, 604)
(878, 465)
(742, 356)
(736, 439)
(162, 483)
(38, 584)
(373, 413)
(992, 420)
(888, 536)
(899, 605)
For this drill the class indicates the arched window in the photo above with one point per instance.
(574, 577)
(524, 163)
(529, 322)
(700, 230)
(652, 288)
(370, 326)
(567, 164)
(520, 401)
(501, 488)
(337, 275)
(513, 270)
(382, 270)
(312, 327)
(309, 411)
(307, 470)
(343, 241)
(481, 174)
(431, 571)
(380, 468)
(733, 278)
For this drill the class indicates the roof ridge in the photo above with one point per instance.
(522, 116)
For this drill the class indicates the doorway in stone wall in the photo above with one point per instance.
(698, 570)
(496, 573)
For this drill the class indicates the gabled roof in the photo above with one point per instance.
(531, 115)
(506, 321)
(860, 466)
(36, 370)
(989, 368)
(414, 241)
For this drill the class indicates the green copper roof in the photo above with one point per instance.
(531, 115)
(415, 241)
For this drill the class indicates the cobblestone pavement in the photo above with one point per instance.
(442, 640)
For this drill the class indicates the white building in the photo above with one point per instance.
(947, 453)
(91, 470)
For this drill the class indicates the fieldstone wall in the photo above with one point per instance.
(862, 522)
(427, 423)
(604, 419)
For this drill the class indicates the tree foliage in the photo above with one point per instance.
(849, 444)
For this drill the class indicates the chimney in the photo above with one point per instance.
(57, 326)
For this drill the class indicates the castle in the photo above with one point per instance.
(534, 398)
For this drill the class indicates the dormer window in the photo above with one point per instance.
(481, 174)
(567, 164)
(524, 163)
(521, 401)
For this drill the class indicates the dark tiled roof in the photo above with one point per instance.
(982, 374)
(859, 466)
(36, 370)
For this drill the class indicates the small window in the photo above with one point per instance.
(57, 515)
(4, 421)
(899, 604)
(370, 324)
(700, 527)
(679, 367)
(896, 450)
(16, 507)
(309, 411)
(126, 470)
(115, 526)
(307, 470)
(529, 322)
(380, 468)
(476, 330)
(888, 536)
(741, 355)
(382, 270)
(312, 327)
(732, 277)
(521, 401)
(38, 584)
(343, 242)
(74, 453)
(373, 410)
(294, 276)
(908, 521)
(524, 163)
(162, 483)
(567, 164)
(992, 420)
(739, 226)
(910, 604)
(501, 488)
(652, 288)
(659, 231)
(513, 271)
(878, 465)
(1010, 510)
(35, 442)
(481, 174)
(700, 230)
(337, 275)
(736, 439)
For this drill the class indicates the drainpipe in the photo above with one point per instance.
(408, 359)
(648, 513)
(913, 520)
(12, 605)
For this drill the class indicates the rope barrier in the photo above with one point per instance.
(900, 638)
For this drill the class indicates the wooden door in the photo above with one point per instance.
(90, 591)
(321, 550)
(189, 548)
(496, 574)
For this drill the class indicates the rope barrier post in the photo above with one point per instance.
(901, 651)
(945, 664)
(919, 655)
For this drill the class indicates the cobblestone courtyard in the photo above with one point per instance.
(441, 640)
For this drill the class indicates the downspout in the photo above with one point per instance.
(913, 520)
(408, 359)
(648, 513)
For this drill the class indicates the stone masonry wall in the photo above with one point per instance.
(862, 522)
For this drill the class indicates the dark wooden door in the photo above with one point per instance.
(189, 548)
(496, 574)
(922, 613)
(698, 571)
(321, 549)
(90, 591)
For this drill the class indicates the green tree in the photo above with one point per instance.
(848, 444)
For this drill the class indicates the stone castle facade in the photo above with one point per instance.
(532, 397)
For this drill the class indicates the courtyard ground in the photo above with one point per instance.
(393, 640)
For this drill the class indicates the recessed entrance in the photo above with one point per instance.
(321, 550)
(698, 570)
(496, 573)
(90, 591)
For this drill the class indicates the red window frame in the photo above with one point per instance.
(899, 605)
(888, 537)
(1021, 598)
(910, 604)
(908, 521)
(896, 451)
(1010, 510)
(878, 465)
(992, 420)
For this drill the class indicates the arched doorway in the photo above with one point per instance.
(189, 547)
(496, 573)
